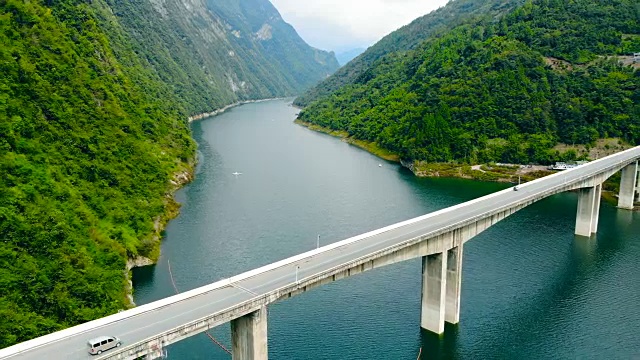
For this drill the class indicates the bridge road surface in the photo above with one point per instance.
(143, 326)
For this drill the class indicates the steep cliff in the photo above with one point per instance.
(217, 52)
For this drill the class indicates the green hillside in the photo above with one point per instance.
(455, 13)
(500, 90)
(86, 152)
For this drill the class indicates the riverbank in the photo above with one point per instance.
(482, 172)
(223, 109)
(154, 240)
(366, 145)
(505, 173)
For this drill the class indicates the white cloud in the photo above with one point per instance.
(342, 24)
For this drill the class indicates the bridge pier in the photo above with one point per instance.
(434, 280)
(638, 187)
(596, 209)
(454, 281)
(628, 186)
(588, 210)
(249, 336)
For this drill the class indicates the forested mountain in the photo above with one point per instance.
(94, 100)
(456, 12)
(505, 89)
(214, 53)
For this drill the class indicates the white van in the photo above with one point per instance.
(103, 343)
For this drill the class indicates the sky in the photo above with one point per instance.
(341, 25)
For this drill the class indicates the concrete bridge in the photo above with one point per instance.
(438, 238)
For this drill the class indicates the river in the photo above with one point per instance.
(530, 288)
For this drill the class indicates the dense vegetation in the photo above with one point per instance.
(86, 151)
(487, 91)
(94, 99)
(218, 52)
(408, 37)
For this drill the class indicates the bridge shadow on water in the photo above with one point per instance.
(443, 346)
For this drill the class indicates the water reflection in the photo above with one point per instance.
(143, 277)
(624, 218)
(435, 347)
(585, 246)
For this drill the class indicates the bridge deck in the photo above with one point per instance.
(148, 321)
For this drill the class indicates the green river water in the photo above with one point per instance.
(530, 288)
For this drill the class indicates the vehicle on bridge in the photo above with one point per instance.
(103, 343)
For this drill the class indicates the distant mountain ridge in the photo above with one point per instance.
(346, 56)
